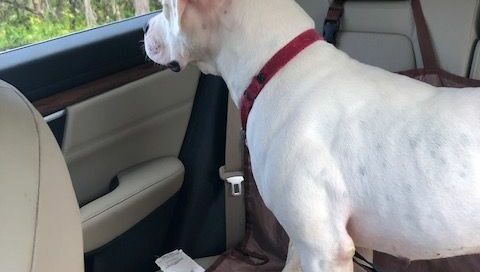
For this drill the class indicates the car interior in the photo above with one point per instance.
(142, 147)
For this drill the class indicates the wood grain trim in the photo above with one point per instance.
(75, 95)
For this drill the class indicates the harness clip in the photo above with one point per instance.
(330, 29)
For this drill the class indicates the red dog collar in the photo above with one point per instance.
(277, 62)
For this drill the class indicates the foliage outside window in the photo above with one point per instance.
(24, 22)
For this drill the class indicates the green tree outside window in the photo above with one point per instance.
(24, 22)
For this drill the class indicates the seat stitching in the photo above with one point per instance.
(37, 129)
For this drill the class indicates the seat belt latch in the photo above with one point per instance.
(235, 179)
(236, 185)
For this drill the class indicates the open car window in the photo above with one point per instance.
(26, 22)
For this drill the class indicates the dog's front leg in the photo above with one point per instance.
(293, 260)
(307, 194)
(319, 235)
(316, 219)
(333, 253)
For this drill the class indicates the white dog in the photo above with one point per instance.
(343, 153)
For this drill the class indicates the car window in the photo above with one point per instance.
(23, 22)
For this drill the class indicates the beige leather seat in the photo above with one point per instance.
(382, 33)
(40, 221)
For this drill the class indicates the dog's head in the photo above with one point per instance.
(183, 32)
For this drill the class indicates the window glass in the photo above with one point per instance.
(24, 22)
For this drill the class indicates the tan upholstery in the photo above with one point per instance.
(379, 33)
(379, 24)
(40, 226)
(141, 190)
(396, 54)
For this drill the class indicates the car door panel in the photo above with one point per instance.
(194, 218)
(138, 122)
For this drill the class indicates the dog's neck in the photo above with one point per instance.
(251, 34)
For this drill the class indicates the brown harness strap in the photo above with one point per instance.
(424, 38)
(335, 11)
(431, 72)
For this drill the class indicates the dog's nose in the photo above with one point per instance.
(146, 27)
(174, 66)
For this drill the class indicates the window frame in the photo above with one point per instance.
(43, 69)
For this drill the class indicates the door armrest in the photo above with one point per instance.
(141, 190)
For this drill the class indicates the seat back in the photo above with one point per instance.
(40, 221)
(383, 33)
(379, 33)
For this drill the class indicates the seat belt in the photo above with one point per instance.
(232, 174)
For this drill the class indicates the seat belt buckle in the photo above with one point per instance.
(236, 185)
(235, 179)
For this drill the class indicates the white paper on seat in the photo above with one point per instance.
(178, 261)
